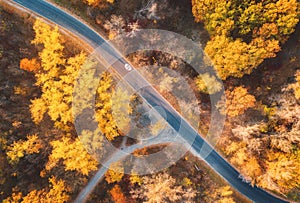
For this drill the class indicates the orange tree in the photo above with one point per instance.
(117, 194)
(237, 102)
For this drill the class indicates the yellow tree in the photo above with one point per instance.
(208, 84)
(115, 174)
(73, 154)
(104, 116)
(237, 58)
(97, 2)
(217, 15)
(284, 171)
(121, 109)
(248, 30)
(57, 78)
(248, 164)
(18, 149)
(51, 62)
(57, 192)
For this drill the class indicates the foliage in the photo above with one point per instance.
(279, 145)
(56, 77)
(237, 58)
(237, 102)
(283, 171)
(73, 154)
(117, 194)
(121, 109)
(97, 2)
(15, 198)
(107, 123)
(217, 15)
(249, 165)
(93, 142)
(186, 182)
(162, 188)
(136, 179)
(18, 149)
(115, 173)
(31, 65)
(57, 193)
(247, 16)
(115, 26)
(247, 30)
(208, 84)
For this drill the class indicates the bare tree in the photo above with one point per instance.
(148, 11)
(160, 188)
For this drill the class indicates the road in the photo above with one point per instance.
(215, 160)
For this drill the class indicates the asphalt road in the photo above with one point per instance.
(218, 164)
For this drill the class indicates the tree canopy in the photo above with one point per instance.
(244, 33)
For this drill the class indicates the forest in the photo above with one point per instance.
(253, 46)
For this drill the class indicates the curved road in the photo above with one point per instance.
(219, 164)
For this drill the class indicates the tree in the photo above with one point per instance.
(31, 65)
(246, 16)
(115, 173)
(283, 170)
(208, 84)
(18, 149)
(237, 102)
(57, 79)
(121, 109)
(73, 154)
(97, 2)
(57, 192)
(162, 188)
(115, 26)
(216, 15)
(135, 179)
(117, 194)
(54, 89)
(244, 33)
(104, 115)
(248, 164)
(235, 57)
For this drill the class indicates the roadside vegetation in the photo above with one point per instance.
(254, 48)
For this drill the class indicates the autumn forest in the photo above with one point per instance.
(254, 48)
